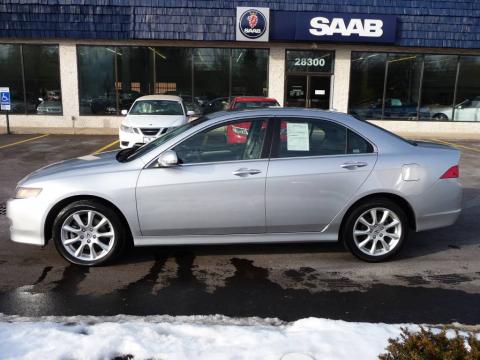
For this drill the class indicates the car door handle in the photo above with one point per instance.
(245, 172)
(353, 165)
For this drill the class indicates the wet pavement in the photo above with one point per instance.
(436, 279)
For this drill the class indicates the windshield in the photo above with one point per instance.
(163, 139)
(156, 107)
(255, 104)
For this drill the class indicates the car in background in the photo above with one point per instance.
(217, 104)
(238, 133)
(467, 110)
(150, 117)
(394, 109)
(194, 109)
(49, 107)
(252, 102)
(333, 178)
(107, 104)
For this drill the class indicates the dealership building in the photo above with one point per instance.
(412, 66)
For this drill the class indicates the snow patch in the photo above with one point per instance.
(190, 337)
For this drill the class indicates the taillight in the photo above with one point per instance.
(451, 173)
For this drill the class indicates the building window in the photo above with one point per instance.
(415, 86)
(96, 79)
(403, 87)
(111, 78)
(173, 71)
(211, 73)
(438, 85)
(11, 76)
(35, 87)
(367, 81)
(467, 102)
(134, 74)
(42, 79)
(249, 72)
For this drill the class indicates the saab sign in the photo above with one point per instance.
(336, 27)
(252, 24)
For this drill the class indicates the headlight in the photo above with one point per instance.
(26, 193)
(128, 129)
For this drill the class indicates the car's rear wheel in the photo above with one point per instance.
(88, 233)
(440, 117)
(376, 230)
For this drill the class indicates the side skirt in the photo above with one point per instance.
(235, 239)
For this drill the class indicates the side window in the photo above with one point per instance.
(357, 145)
(311, 137)
(239, 140)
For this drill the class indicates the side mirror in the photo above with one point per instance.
(190, 113)
(167, 159)
(124, 112)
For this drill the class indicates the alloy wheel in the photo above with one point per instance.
(87, 235)
(377, 231)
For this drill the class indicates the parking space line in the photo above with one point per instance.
(457, 145)
(103, 148)
(23, 141)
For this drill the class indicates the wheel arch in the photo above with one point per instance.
(397, 199)
(55, 210)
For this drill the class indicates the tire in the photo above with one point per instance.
(440, 117)
(385, 236)
(107, 239)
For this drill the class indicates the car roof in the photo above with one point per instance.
(289, 111)
(160, 97)
(253, 99)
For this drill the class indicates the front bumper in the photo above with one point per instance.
(26, 217)
(128, 140)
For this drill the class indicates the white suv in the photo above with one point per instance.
(150, 117)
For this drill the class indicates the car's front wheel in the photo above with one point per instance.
(88, 233)
(376, 230)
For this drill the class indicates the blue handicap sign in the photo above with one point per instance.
(4, 99)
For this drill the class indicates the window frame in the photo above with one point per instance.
(276, 137)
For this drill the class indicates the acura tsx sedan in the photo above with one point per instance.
(301, 175)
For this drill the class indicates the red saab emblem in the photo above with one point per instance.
(252, 19)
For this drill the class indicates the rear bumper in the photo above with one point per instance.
(26, 221)
(440, 206)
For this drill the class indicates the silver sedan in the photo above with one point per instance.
(273, 175)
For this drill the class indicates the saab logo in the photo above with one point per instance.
(252, 24)
(321, 26)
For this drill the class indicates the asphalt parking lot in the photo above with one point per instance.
(436, 279)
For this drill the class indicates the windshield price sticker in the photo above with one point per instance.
(298, 137)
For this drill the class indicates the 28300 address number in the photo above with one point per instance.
(309, 62)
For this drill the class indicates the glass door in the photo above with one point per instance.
(310, 91)
(319, 92)
(296, 91)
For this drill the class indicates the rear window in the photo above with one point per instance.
(254, 104)
(357, 144)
